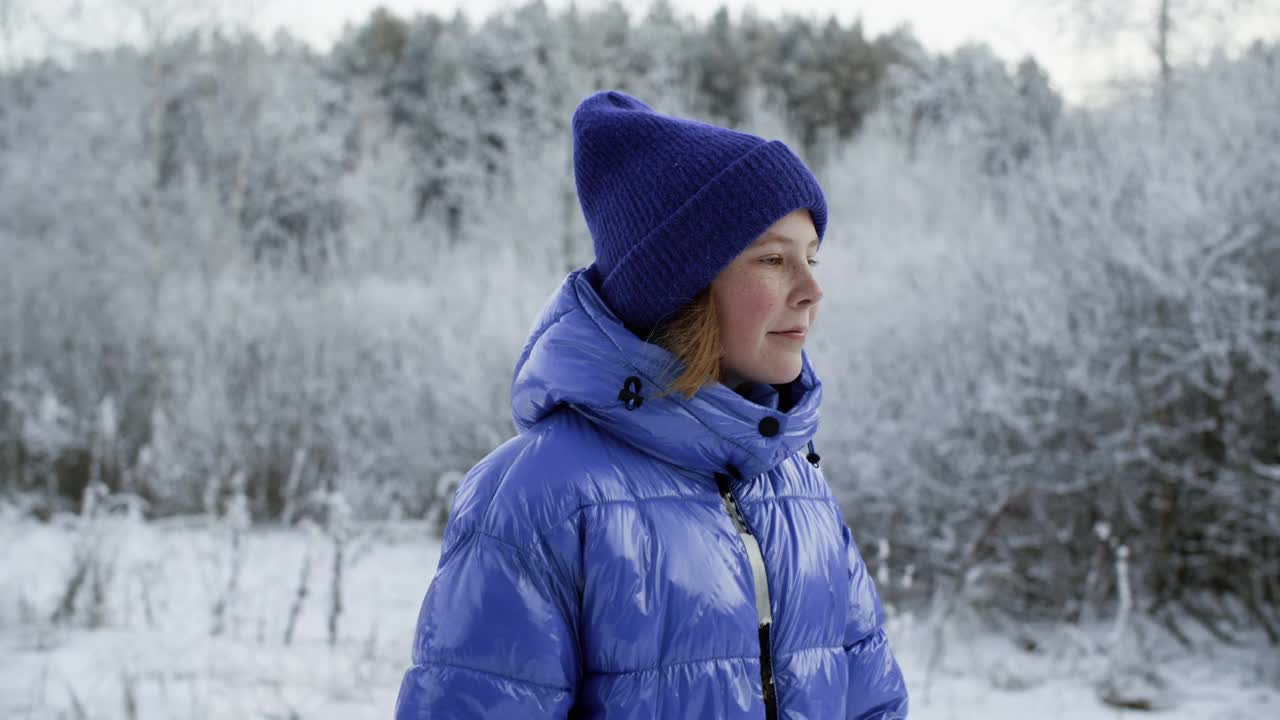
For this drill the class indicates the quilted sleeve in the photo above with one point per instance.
(496, 637)
(876, 687)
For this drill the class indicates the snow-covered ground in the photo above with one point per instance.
(152, 654)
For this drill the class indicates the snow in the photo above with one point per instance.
(154, 656)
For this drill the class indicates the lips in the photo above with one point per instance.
(794, 334)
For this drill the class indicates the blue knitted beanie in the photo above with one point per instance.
(671, 201)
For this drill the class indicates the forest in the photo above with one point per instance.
(272, 286)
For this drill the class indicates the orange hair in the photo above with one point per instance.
(693, 336)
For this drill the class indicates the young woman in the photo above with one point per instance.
(658, 540)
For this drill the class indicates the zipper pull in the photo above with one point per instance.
(731, 505)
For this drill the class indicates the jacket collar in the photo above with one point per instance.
(580, 354)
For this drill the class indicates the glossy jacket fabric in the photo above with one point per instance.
(590, 568)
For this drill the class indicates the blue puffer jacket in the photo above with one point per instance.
(627, 556)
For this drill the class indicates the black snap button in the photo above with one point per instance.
(769, 426)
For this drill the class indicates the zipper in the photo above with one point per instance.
(764, 613)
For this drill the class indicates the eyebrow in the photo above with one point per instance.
(773, 237)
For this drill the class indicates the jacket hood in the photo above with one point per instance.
(580, 354)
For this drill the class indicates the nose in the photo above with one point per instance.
(808, 291)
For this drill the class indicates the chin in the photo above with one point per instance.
(781, 375)
(770, 369)
(786, 377)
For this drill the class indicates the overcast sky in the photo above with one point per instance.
(1079, 60)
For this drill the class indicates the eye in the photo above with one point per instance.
(813, 262)
(770, 260)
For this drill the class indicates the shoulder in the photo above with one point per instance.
(796, 477)
(533, 482)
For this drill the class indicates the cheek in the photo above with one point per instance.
(750, 311)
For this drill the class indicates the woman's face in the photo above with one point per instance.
(768, 289)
